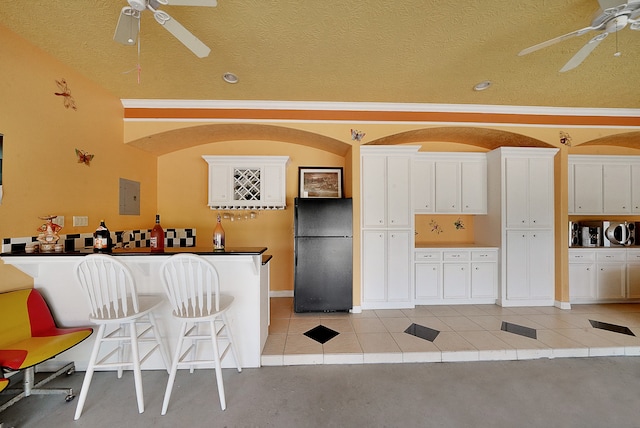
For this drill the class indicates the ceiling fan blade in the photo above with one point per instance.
(556, 40)
(207, 3)
(128, 26)
(182, 34)
(583, 53)
(612, 5)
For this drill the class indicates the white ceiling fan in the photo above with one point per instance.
(611, 17)
(129, 23)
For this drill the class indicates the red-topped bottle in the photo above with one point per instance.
(156, 243)
(218, 236)
(102, 239)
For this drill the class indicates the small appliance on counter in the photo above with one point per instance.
(619, 233)
(574, 234)
(602, 233)
(591, 234)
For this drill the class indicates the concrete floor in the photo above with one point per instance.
(564, 392)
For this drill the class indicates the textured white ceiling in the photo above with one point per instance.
(411, 51)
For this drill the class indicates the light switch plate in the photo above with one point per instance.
(80, 220)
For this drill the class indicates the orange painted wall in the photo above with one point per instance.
(182, 199)
(41, 174)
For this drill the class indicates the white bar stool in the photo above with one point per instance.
(123, 317)
(193, 288)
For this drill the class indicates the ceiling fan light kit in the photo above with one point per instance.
(611, 17)
(128, 25)
(230, 77)
(482, 85)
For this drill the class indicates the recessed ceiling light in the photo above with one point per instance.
(482, 85)
(230, 78)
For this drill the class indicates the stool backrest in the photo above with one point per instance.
(191, 284)
(108, 285)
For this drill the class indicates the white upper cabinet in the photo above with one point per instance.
(600, 184)
(247, 182)
(616, 187)
(474, 186)
(386, 188)
(529, 192)
(448, 190)
(423, 182)
(635, 187)
(450, 183)
(587, 186)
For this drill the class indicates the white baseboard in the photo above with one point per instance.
(562, 305)
(281, 293)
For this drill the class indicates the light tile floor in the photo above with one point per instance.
(467, 333)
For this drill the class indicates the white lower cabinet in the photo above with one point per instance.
(604, 275)
(582, 276)
(455, 276)
(428, 284)
(484, 280)
(386, 273)
(633, 273)
(530, 266)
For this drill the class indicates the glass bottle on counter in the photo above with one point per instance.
(156, 242)
(102, 239)
(218, 236)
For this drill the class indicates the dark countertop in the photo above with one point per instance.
(203, 251)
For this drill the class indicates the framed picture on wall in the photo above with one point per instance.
(320, 182)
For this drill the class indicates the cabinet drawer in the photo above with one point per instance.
(633, 256)
(611, 256)
(428, 256)
(455, 255)
(582, 256)
(484, 256)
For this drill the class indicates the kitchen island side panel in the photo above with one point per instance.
(240, 277)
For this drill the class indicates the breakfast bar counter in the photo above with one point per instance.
(243, 272)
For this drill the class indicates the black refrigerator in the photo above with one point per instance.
(323, 251)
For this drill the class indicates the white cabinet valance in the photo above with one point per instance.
(247, 182)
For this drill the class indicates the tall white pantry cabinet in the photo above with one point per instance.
(387, 226)
(520, 222)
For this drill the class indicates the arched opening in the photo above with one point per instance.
(480, 137)
(184, 138)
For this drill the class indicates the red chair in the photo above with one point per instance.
(28, 337)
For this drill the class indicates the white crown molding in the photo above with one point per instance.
(388, 107)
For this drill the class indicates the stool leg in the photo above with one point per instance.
(174, 368)
(121, 332)
(89, 373)
(216, 352)
(161, 343)
(135, 358)
(232, 342)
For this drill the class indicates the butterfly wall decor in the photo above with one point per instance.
(357, 135)
(84, 157)
(69, 102)
(565, 139)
